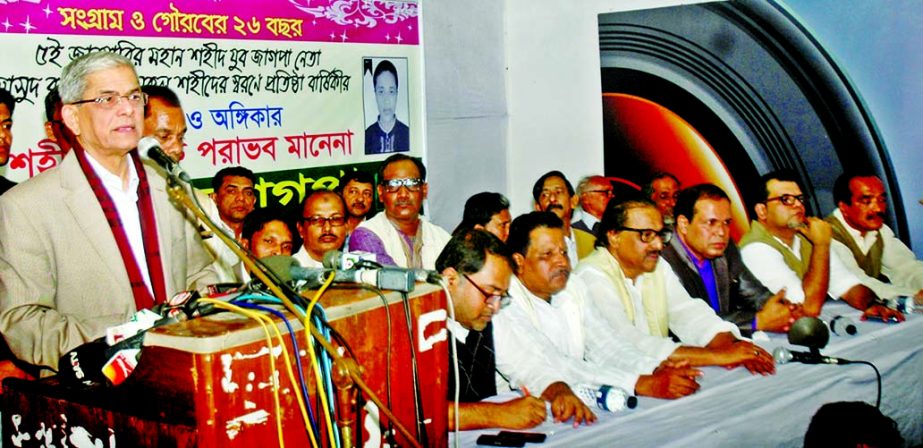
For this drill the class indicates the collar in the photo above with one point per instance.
(856, 235)
(699, 263)
(113, 182)
(458, 331)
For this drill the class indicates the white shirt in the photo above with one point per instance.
(770, 269)
(581, 215)
(898, 262)
(225, 258)
(305, 260)
(538, 343)
(690, 319)
(571, 243)
(126, 204)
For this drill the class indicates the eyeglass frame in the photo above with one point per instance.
(312, 220)
(787, 199)
(413, 184)
(665, 234)
(605, 192)
(117, 100)
(502, 299)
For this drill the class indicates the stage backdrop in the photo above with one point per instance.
(283, 87)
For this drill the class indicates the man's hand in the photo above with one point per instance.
(668, 382)
(817, 231)
(751, 356)
(778, 314)
(918, 298)
(883, 312)
(564, 404)
(521, 413)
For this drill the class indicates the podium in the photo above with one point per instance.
(207, 382)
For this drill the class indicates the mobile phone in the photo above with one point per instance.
(890, 320)
(496, 440)
(528, 437)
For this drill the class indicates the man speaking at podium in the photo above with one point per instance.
(87, 243)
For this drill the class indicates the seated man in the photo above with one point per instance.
(594, 193)
(322, 227)
(106, 241)
(643, 301)
(866, 245)
(709, 266)
(476, 267)
(164, 120)
(267, 232)
(356, 189)
(7, 105)
(552, 339)
(401, 236)
(785, 249)
(662, 190)
(554, 193)
(487, 211)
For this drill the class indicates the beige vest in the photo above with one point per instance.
(759, 234)
(871, 262)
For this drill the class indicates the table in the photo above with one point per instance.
(734, 408)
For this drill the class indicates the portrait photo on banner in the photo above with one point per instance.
(386, 104)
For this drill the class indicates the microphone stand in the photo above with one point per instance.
(345, 370)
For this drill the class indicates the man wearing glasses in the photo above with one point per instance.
(551, 339)
(786, 249)
(86, 244)
(642, 300)
(476, 267)
(709, 266)
(594, 193)
(322, 226)
(401, 236)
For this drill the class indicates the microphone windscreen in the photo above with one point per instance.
(281, 265)
(781, 355)
(145, 145)
(83, 364)
(809, 332)
(332, 259)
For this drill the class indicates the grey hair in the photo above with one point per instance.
(583, 184)
(73, 77)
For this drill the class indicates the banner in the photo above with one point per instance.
(282, 87)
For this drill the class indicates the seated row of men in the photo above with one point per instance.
(588, 307)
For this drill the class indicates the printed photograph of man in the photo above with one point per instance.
(386, 133)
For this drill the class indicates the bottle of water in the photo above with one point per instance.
(843, 326)
(903, 304)
(607, 398)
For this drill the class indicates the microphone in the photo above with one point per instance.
(783, 355)
(842, 326)
(287, 269)
(809, 332)
(334, 259)
(151, 147)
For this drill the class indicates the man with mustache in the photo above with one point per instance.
(786, 249)
(662, 190)
(476, 267)
(356, 188)
(86, 244)
(643, 301)
(708, 264)
(322, 226)
(401, 236)
(554, 193)
(551, 339)
(866, 244)
(7, 104)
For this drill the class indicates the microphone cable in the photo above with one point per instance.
(418, 400)
(242, 302)
(453, 358)
(877, 375)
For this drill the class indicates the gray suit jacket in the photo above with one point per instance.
(740, 294)
(62, 279)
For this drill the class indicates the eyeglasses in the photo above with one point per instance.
(393, 185)
(788, 199)
(502, 298)
(110, 100)
(319, 221)
(605, 192)
(647, 235)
